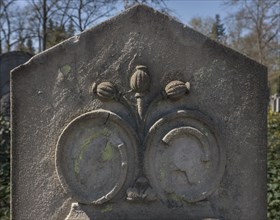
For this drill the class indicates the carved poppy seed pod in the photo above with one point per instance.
(140, 80)
(105, 90)
(176, 89)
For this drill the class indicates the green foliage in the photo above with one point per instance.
(4, 169)
(57, 33)
(203, 25)
(274, 81)
(273, 175)
(218, 30)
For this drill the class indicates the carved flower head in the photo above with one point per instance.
(176, 89)
(105, 90)
(140, 80)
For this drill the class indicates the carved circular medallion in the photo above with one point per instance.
(92, 156)
(184, 157)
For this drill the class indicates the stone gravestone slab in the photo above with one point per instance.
(139, 118)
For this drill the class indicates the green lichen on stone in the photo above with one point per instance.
(107, 208)
(65, 69)
(108, 152)
(162, 173)
(175, 198)
(76, 167)
(104, 132)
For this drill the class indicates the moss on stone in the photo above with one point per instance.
(108, 152)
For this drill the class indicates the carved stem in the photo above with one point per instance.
(123, 100)
(154, 101)
(140, 104)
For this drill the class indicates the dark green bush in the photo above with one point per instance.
(4, 169)
(273, 172)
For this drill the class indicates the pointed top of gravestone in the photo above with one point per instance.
(141, 18)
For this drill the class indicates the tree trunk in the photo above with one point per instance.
(80, 15)
(0, 43)
(45, 19)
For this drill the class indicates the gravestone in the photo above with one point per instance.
(139, 118)
(9, 61)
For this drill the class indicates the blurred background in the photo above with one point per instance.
(251, 27)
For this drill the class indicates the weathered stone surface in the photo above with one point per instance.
(139, 118)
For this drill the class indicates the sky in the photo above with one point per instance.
(187, 9)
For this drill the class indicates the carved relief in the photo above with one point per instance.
(184, 160)
(140, 83)
(92, 156)
(176, 89)
(141, 191)
(178, 160)
(106, 91)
